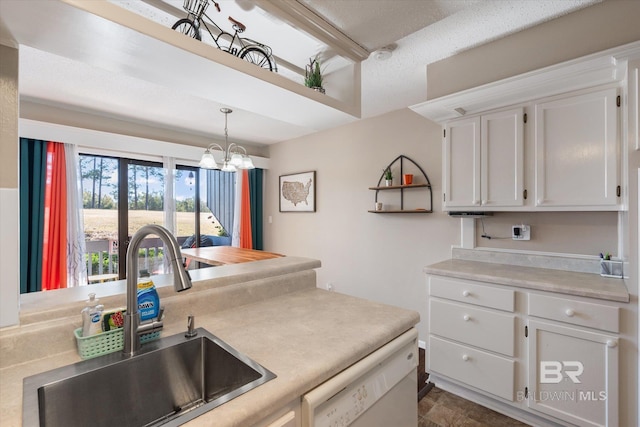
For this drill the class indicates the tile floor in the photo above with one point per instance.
(443, 409)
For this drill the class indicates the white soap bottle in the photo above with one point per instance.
(92, 317)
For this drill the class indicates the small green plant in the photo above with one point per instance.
(313, 75)
(387, 174)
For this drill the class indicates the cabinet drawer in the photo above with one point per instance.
(487, 329)
(493, 374)
(599, 316)
(469, 292)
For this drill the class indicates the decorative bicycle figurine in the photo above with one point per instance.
(244, 48)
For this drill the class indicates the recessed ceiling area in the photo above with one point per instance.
(101, 73)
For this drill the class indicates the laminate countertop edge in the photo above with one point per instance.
(542, 279)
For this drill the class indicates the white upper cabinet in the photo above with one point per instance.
(461, 163)
(634, 104)
(502, 159)
(483, 161)
(576, 145)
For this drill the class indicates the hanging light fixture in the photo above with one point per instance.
(235, 156)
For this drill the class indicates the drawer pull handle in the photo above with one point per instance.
(612, 343)
(465, 357)
(569, 312)
(466, 293)
(466, 317)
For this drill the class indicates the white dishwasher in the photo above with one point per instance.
(377, 391)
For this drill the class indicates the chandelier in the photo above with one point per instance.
(235, 156)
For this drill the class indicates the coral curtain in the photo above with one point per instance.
(255, 195)
(33, 160)
(246, 239)
(76, 248)
(54, 244)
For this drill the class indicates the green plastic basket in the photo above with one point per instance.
(106, 342)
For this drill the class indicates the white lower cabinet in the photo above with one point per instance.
(573, 374)
(477, 368)
(471, 335)
(545, 358)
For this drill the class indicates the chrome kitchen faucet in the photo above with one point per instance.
(181, 281)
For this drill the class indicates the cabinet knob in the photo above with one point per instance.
(466, 293)
(569, 312)
(612, 343)
(466, 318)
(540, 201)
(465, 357)
(476, 202)
(484, 202)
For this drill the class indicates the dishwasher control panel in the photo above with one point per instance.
(342, 399)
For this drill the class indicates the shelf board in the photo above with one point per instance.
(395, 187)
(403, 211)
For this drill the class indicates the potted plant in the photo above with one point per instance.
(388, 177)
(313, 75)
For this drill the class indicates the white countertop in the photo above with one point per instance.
(563, 282)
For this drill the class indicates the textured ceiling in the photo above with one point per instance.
(425, 31)
(377, 23)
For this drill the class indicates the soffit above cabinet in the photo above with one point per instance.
(582, 73)
(110, 38)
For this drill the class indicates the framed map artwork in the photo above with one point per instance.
(298, 192)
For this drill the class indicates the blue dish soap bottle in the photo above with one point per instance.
(148, 299)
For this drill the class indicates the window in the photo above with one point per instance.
(122, 195)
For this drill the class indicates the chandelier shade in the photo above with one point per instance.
(235, 156)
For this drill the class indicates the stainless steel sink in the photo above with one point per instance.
(170, 382)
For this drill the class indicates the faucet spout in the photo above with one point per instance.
(181, 281)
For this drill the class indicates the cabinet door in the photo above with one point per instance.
(502, 159)
(461, 163)
(573, 374)
(634, 104)
(577, 151)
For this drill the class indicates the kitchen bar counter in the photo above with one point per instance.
(564, 282)
(304, 335)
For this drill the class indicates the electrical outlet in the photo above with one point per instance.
(330, 286)
(521, 232)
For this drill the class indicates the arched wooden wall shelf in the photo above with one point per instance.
(402, 187)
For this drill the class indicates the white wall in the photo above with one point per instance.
(375, 256)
